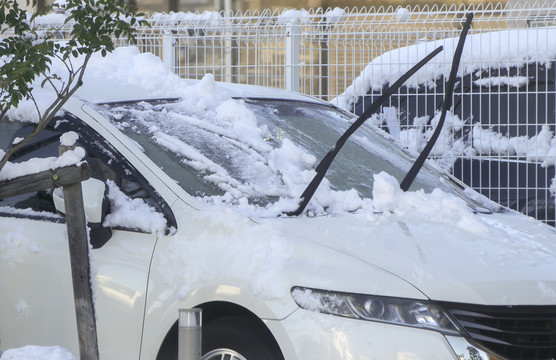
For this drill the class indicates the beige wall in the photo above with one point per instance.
(212, 5)
(216, 5)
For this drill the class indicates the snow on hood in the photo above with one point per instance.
(255, 253)
(509, 260)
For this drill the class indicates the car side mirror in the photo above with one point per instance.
(96, 206)
(93, 198)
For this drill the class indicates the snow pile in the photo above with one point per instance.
(206, 19)
(125, 67)
(403, 14)
(243, 250)
(296, 169)
(69, 138)
(449, 145)
(36, 165)
(538, 148)
(293, 16)
(128, 67)
(437, 206)
(26, 110)
(332, 16)
(33, 352)
(132, 213)
(302, 17)
(514, 81)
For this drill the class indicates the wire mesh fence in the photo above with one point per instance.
(499, 135)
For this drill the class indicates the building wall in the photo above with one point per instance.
(217, 5)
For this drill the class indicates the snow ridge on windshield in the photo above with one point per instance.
(224, 145)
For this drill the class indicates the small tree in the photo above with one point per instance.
(27, 52)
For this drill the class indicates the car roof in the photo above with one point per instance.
(103, 91)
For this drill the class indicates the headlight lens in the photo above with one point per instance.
(399, 311)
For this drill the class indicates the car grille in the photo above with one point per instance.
(512, 332)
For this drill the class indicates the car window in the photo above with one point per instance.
(106, 164)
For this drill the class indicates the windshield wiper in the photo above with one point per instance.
(418, 164)
(323, 166)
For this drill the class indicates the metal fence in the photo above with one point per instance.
(499, 136)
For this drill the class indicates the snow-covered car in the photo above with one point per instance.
(499, 138)
(199, 187)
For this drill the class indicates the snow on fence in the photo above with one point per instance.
(499, 137)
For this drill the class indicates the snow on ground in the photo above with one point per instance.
(33, 352)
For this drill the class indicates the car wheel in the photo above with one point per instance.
(220, 354)
(236, 338)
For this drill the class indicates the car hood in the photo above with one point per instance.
(513, 263)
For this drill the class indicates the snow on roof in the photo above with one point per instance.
(498, 49)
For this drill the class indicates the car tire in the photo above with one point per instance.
(237, 338)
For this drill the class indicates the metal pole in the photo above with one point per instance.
(293, 32)
(169, 50)
(228, 43)
(189, 334)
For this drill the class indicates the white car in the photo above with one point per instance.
(198, 199)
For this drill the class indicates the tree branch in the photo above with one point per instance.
(35, 104)
(48, 114)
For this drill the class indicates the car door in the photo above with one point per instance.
(36, 296)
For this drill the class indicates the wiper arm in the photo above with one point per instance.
(323, 166)
(418, 164)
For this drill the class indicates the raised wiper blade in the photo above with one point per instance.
(418, 164)
(323, 166)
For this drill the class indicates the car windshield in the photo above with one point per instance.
(262, 152)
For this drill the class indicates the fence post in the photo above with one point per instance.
(80, 269)
(169, 50)
(228, 43)
(293, 37)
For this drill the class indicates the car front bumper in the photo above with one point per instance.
(309, 335)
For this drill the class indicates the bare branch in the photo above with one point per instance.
(49, 79)
(49, 113)
(35, 104)
(70, 69)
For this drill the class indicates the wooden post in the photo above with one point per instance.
(80, 269)
(69, 178)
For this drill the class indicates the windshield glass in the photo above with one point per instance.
(262, 153)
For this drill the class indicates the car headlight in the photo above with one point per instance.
(391, 310)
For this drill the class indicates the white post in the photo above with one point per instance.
(189, 334)
(228, 61)
(169, 50)
(293, 32)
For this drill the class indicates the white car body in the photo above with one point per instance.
(136, 307)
